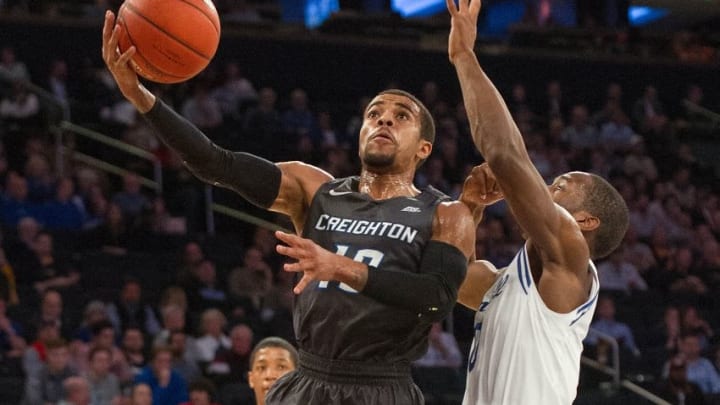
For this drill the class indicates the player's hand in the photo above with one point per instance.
(119, 65)
(463, 27)
(315, 262)
(480, 188)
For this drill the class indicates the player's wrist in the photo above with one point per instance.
(352, 273)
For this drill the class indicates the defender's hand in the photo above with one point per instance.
(463, 28)
(480, 188)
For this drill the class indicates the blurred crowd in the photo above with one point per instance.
(104, 280)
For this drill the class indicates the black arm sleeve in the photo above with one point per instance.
(431, 292)
(254, 178)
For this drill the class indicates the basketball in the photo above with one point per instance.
(174, 39)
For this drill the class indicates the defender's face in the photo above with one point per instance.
(568, 190)
(390, 134)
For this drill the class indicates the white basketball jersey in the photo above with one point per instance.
(524, 353)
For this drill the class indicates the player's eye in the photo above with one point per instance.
(402, 116)
(373, 114)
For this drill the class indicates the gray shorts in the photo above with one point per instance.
(331, 382)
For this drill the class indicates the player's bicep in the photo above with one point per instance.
(453, 224)
(298, 184)
(481, 275)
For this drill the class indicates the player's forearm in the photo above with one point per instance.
(493, 129)
(254, 178)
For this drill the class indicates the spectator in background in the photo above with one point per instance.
(692, 323)
(204, 290)
(298, 121)
(50, 271)
(202, 392)
(271, 359)
(57, 81)
(8, 282)
(620, 276)
(187, 368)
(235, 92)
(647, 107)
(104, 385)
(213, 338)
(65, 212)
(94, 313)
(605, 323)
(77, 392)
(638, 253)
(103, 336)
(442, 351)
(231, 364)
(616, 135)
(130, 199)
(168, 387)
(12, 342)
(19, 108)
(676, 388)
(133, 347)
(264, 124)
(174, 317)
(141, 394)
(248, 285)
(699, 369)
(11, 68)
(19, 248)
(203, 110)
(112, 235)
(192, 255)
(39, 176)
(580, 134)
(130, 310)
(14, 203)
(47, 385)
(51, 313)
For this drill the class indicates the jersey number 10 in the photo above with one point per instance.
(371, 257)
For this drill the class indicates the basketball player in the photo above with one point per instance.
(272, 358)
(532, 315)
(378, 259)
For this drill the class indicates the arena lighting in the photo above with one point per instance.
(317, 11)
(417, 8)
(641, 15)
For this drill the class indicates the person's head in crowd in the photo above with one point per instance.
(161, 362)
(58, 355)
(94, 312)
(206, 273)
(174, 295)
(103, 334)
(141, 394)
(48, 330)
(100, 360)
(690, 346)
(76, 391)
(193, 254)
(212, 322)
(43, 244)
(51, 307)
(173, 317)
(133, 340)
(605, 308)
(177, 343)
(272, 358)
(677, 370)
(202, 392)
(131, 292)
(16, 186)
(241, 339)
(27, 230)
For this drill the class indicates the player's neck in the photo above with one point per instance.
(381, 186)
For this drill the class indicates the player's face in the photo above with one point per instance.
(390, 134)
(270, 364)
(568, 190)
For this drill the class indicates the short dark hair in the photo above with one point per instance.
(99, 326)
(605, 202)
(274, 341)
(203, 385)
(427, 123)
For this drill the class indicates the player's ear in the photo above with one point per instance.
(424, 149)
(250, 380)
(586, 221)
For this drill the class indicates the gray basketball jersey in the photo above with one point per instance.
(334, 321)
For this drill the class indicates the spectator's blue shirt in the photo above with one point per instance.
(176, 392)
(702, 373)
(618, 330)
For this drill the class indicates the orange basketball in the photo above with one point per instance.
(175, 39)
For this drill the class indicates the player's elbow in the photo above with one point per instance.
(440, 303)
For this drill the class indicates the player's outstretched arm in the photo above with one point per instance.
(500, 142)
(286, 188)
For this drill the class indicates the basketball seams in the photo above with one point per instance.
(209, 17)
(130, 7)
(147, 63)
